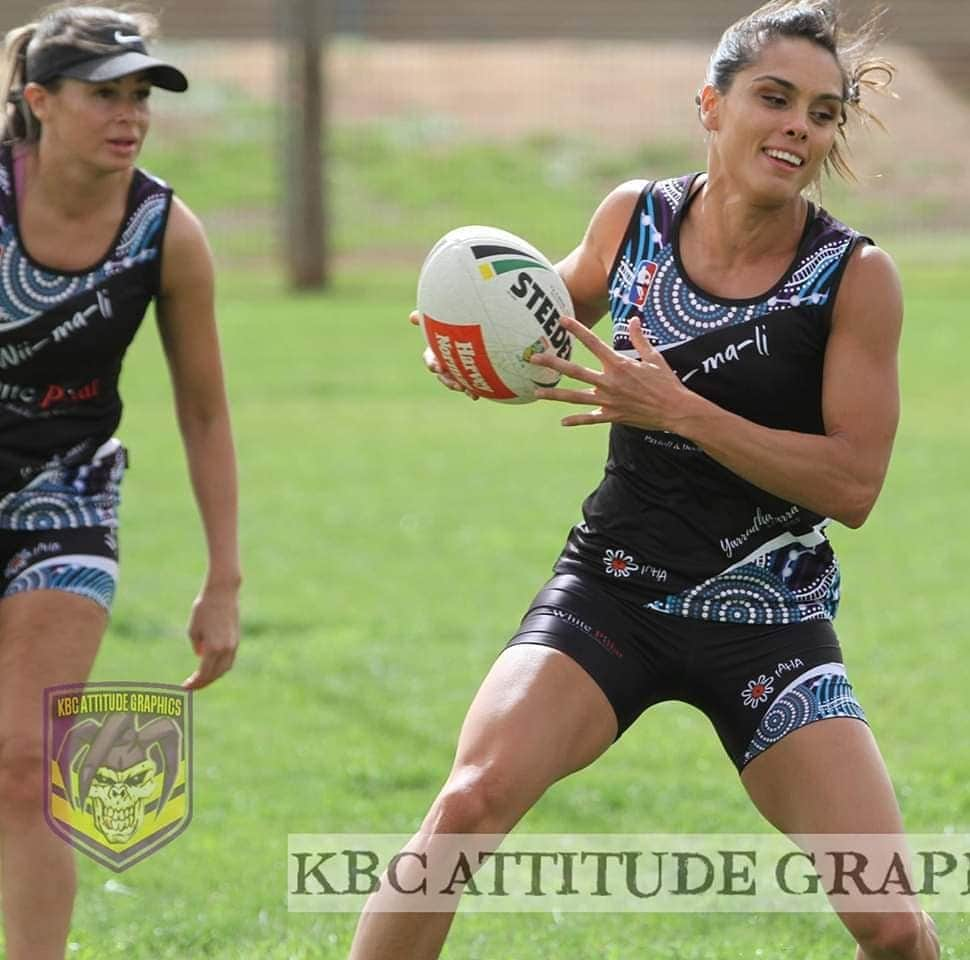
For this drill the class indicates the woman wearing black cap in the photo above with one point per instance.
(87, 241)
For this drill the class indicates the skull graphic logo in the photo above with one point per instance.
(118, 798)
(117, 770)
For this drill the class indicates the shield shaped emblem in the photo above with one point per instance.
(119, 768)
(642, 281)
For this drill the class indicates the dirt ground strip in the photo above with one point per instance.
(623, 93)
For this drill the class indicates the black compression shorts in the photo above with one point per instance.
(755, 683)
(81, 560)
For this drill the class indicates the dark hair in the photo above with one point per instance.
(820, 22)
(66, 25)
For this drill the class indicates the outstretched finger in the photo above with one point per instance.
(566, 396)
(602, 351)
(586, 419)
(567, 367)
(641, 344)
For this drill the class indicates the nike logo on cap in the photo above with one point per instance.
(126, 37)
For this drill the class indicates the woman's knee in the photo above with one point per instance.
(21, 779)
(477, 799)
(890, 936)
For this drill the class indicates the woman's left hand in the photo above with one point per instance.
(643, 393)
(214, 632)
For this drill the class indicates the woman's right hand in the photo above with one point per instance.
(431, 362)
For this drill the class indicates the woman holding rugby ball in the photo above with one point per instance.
(752, 395)
(87, 241)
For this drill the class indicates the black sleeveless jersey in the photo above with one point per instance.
(63, 334)
(669, 524)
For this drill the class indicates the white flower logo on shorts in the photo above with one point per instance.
(619, 564)
(17, 563)
(757, 691)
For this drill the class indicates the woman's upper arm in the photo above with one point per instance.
(860, 390)
(586, 270)
(186, 305)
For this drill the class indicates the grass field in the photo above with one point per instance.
(392, 535)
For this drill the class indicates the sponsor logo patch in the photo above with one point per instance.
(757, 691)
(642, 281)
(23, 558)
(460, 350)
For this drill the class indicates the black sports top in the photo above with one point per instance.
(63, 333)
(668, 523)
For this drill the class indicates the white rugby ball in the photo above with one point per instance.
(488, 301)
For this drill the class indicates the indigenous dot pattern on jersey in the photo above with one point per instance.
(63, 334)
(694, 539)
(647, 269)
(27, 290)
(69, 497)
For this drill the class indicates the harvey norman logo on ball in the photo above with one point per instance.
(119, 768)
(461, 349)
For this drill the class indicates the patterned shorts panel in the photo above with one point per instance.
(81, 561)
(816, 695)
(59, 532)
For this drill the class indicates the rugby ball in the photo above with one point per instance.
(488, 301)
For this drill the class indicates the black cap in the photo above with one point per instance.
(128, 56)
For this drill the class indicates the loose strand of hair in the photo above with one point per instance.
(14, 125)
(874, 75)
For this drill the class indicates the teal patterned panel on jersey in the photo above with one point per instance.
(648, 284)
(67, 497)
(789, 585)
(28, 290)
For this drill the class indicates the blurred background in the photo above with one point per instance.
(393, 533)
(589, 94)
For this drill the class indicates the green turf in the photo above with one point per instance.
(393, 533)
(396, 187)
